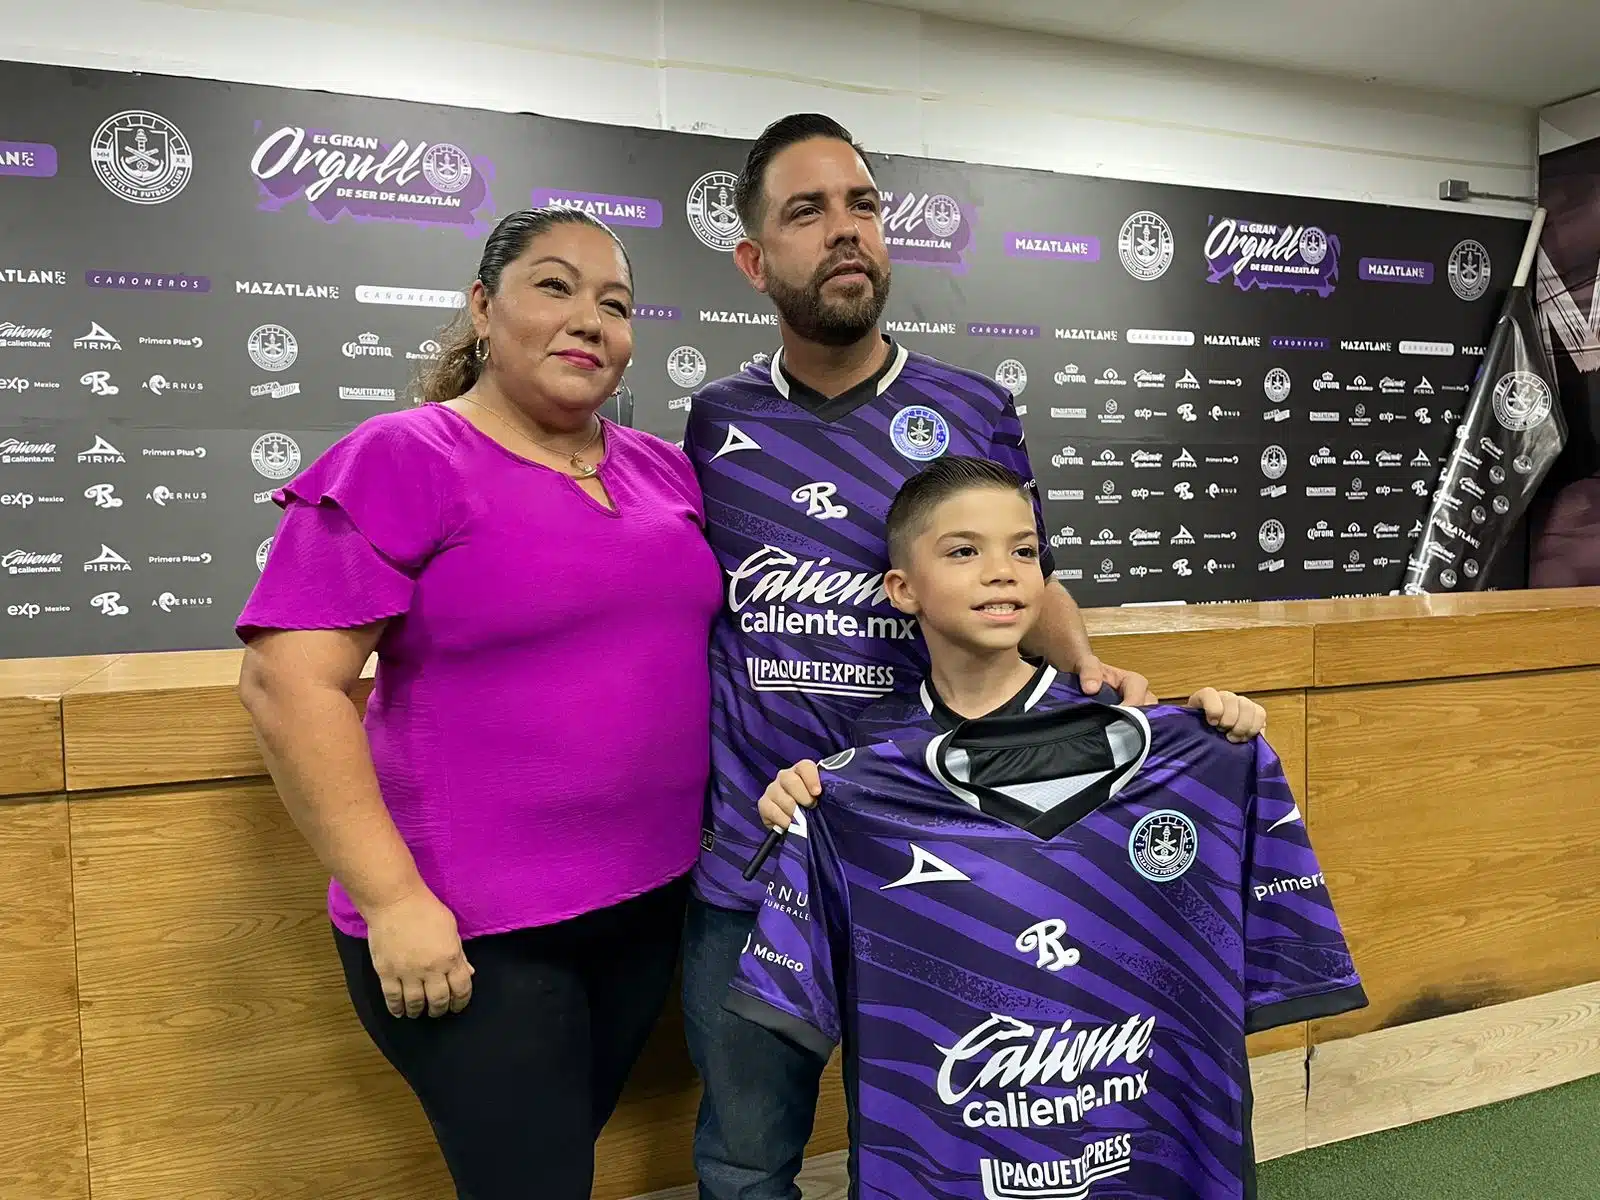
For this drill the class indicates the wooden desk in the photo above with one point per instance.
(173, 1020)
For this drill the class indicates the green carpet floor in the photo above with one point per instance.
(1540, 1147)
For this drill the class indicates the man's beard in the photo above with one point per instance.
(834, 321)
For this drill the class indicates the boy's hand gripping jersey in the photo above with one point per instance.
(1042, 939)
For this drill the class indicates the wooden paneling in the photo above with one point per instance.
(221, 1057)
(1458, 825)
(1181, 651)
(30, 719)
(150, 719)
(159, 718)
(1397, 1076)
(1395, 638)
(1490, 643)
(30, 745)
(42, 1135)
(1286, 734)
(1275, 1041)
(1278, 1084)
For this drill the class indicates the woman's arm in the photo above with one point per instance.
(296, 684)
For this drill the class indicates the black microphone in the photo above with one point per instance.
(774, 836)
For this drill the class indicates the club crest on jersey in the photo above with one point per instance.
(919, 433)
(1163, 845)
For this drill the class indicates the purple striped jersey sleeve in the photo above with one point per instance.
(796, 501)
(1041, 939)
(793, 988)
(1294, 948)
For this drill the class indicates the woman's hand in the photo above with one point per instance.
(794, 787)
(418, 956)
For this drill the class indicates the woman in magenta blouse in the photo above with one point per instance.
(510, 828)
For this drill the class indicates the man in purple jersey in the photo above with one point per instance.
(1041, 925)
(799, 461)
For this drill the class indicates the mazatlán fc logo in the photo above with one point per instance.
(141, 157)
(1468, 270)
(1521, 400)
(1145, 245)
(686, 366)
(1277, 385)
(1163, 845)
(447, 167)
(919, 433)
(275, 455)
(711, 213)
(1012, 376)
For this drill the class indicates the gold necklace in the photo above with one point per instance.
(584, 470)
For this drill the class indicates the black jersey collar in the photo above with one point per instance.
(945, 717)
(834, 408)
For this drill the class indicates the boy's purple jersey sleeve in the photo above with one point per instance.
(1297, 965)
(785, 979)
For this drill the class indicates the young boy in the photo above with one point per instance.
(964, 558)
(1040, 924)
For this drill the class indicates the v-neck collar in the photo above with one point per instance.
(836, 408)
(1081, 734)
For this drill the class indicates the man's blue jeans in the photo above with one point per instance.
(760, 1097)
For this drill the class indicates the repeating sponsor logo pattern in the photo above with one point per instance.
(183, 388)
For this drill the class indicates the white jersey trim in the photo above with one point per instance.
(780, 381)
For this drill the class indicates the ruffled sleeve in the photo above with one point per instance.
(358, 526)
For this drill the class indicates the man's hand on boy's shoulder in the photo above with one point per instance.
(1133, 687)
(1237, 716)
(795, 787)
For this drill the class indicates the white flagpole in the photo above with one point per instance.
(1529, 249)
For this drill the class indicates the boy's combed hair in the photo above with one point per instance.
(932, 486)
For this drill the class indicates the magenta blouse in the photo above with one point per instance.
(540, 721)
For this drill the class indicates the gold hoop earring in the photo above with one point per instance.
(480, 350)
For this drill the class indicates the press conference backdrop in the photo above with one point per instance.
(202, 285)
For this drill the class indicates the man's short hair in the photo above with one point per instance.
(749, 194)
(932, 486)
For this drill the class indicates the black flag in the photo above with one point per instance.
(1508, 439)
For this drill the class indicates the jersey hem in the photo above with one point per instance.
(787, 1025)
(1313, 1007)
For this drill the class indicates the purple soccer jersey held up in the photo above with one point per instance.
(1042, 938)
(797, 489)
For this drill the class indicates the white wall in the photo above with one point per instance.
(903, 83)
(1568, 123)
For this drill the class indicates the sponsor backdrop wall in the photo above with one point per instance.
(202, 285)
